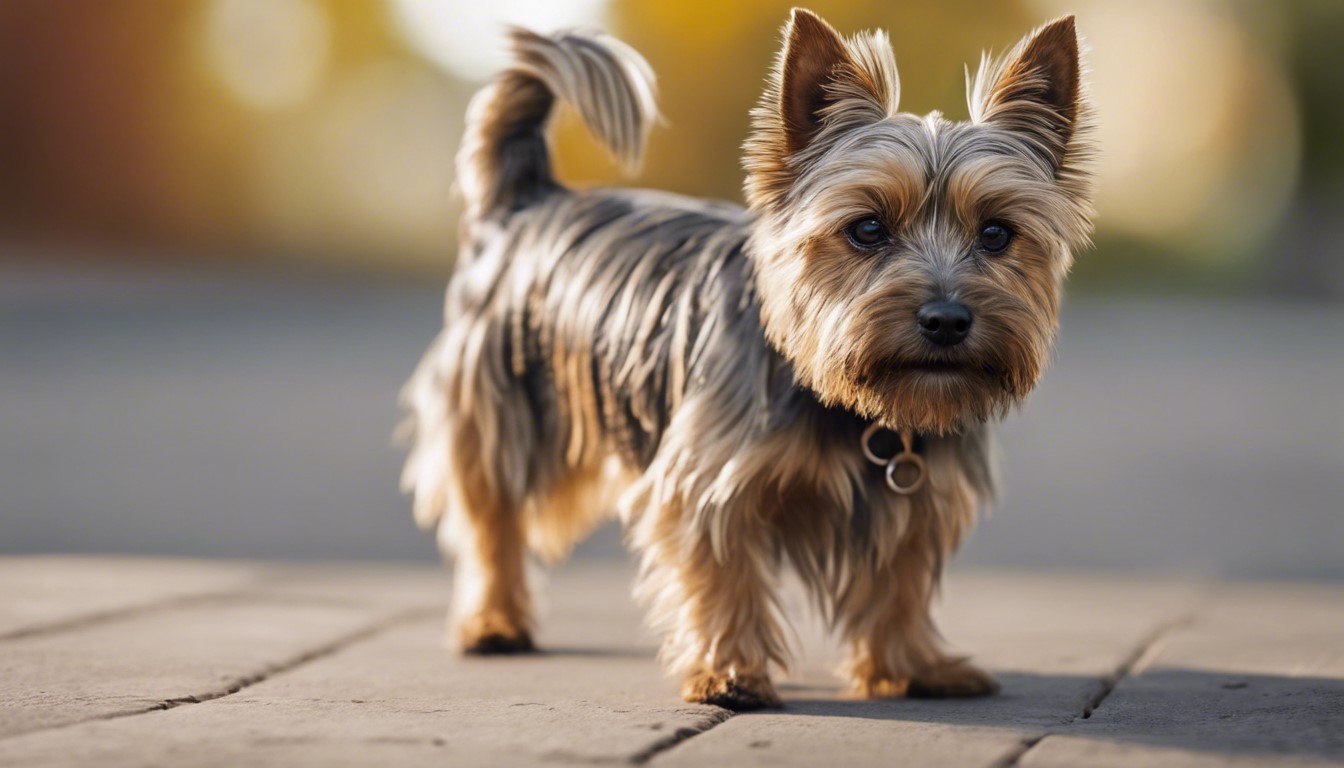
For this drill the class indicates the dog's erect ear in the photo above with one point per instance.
(821, 82)
(813, 52)
(821, 77)
(1035, 89)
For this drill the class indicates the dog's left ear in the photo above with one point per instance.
(1034, 90)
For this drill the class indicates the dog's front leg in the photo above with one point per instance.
(895, 648)
(717, 605)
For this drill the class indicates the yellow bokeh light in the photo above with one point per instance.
(1197, 124)
(270, 53)
(466, 38)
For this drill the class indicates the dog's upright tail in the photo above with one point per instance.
(503, 161)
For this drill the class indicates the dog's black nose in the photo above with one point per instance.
(945, 323)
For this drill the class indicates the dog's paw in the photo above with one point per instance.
(491, 635)
(881, 688)
(495, 644)
(953, 679)
(740, 693)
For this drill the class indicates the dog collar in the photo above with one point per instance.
(906, 470)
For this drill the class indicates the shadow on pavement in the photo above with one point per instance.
(1207, 711)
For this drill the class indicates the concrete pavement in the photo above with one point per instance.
(126, 662)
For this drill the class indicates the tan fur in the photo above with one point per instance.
(709, 371)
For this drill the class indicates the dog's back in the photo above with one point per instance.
(574, 318)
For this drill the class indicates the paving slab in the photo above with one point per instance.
(343, 664)
(43, 593)
(1054, 642)
(94, 638)
(401, 699)
(1255, 678)
(595, 695)
(158, 660)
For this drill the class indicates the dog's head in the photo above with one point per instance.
(910, 267)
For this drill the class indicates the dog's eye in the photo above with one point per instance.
(867, 232)
(994, 237)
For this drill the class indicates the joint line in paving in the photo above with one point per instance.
(1133, 663)
(666, 743)
(94, 618)
(240, 683)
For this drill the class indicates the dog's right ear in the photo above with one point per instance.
(821, 83)
(822, 78)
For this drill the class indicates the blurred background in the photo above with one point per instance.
(225, 226)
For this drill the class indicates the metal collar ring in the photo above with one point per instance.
(905, 456)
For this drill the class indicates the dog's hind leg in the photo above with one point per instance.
(469, 470)
(482, 531)
(492, 608)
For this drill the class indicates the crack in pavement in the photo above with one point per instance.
(94, 618)
(340, 643)
(712, 719)
(249, 593)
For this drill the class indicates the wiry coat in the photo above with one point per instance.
(608, 349)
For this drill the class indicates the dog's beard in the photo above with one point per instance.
(931, 393)
(938, 397)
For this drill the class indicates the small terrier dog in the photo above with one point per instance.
(806, 382)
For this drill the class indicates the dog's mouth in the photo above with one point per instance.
(932, 370)
(933, 394)
(938, 366)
